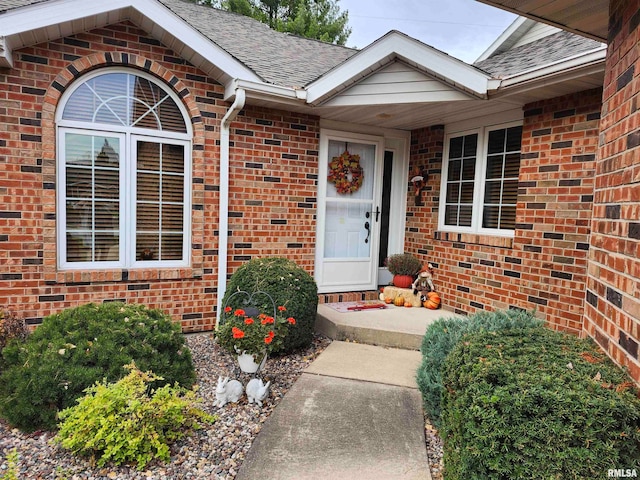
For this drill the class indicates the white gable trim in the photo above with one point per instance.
(510, 36)
(18, 22)
(383, 51)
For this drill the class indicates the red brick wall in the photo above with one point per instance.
(274, 152)
(274, 176)
(544, 265)
(612, 309)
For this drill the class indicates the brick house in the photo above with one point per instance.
(149, 147)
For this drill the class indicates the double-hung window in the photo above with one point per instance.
(123, 174)
(479, 189)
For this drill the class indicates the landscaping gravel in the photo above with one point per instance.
(213, 453)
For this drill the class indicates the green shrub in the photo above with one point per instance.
(73, 349)
(121, 422)
(288, 284)
(444, 334)
(534, 403)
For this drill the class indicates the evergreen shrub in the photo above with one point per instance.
(77, 347)
(444, 334)
(125, 422)
(535, 403)
(289, 286)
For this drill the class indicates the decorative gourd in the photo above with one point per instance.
(408, 304)
(433, 301)
(399, 301)
(388, 300)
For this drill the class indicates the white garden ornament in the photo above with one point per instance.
(227, 391)
(257, 391)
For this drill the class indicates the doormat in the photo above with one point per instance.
(345, 307)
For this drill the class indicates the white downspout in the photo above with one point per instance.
(223, 211)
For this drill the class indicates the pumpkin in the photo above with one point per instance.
(388, 300)
(399, 301)
(408, 304)
(433, 301)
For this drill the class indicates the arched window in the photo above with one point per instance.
(124, 173)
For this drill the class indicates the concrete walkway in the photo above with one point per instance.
(354, 413)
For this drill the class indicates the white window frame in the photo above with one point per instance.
(479, 181)
(127, 179)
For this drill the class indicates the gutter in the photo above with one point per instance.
(223, 210)
(565, 67)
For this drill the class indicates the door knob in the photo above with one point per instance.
(368, 229)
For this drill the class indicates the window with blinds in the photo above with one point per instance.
(501, 183)
(460, 180)
(480, 180)
(124, 153)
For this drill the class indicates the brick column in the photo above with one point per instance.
(612, 307)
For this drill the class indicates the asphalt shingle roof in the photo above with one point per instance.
(293, 61)
(536, 54)
(276, 57)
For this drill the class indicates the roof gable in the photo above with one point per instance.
(50, 20)
(224, 45)
(386, 50)
(394, 84)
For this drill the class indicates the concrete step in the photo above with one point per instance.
(397, 327)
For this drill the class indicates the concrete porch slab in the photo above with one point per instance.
(396, 327)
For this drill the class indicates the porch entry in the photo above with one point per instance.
(353, 216)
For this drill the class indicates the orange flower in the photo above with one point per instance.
(291, 320)
(267, 320)
(227, 309)
(268, 340)
(248, 321)
(262, 316)
(239, 312)
(282, 308)
(237, 333)
(271, 334)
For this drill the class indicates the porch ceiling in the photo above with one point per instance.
(585, 17)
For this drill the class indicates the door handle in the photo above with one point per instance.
(368, 229)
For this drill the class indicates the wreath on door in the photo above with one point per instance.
(346, 173)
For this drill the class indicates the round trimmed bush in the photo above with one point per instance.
(288, 284)
(77, 347)
(535, 403)
(444, 334)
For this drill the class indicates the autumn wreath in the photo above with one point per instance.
(346, 173)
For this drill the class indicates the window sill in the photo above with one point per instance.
(475, 239)
(124, 275)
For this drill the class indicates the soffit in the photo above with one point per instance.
(585, 17)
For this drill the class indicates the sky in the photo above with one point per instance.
(462, 28)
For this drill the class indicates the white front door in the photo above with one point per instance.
(349, 220)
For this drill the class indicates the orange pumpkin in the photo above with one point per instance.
(433, 301)
(408, 304)
(388, 300)
(399, 301)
